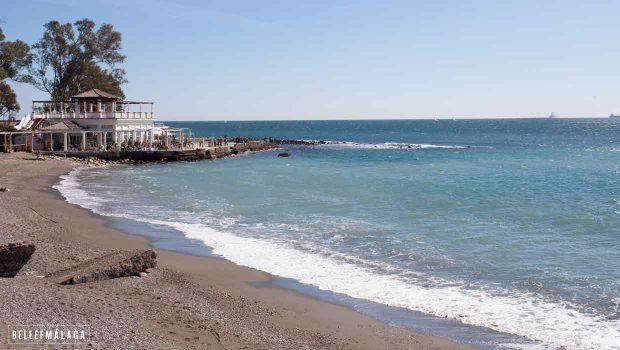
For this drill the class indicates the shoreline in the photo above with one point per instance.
(216, 284)
(172, 239)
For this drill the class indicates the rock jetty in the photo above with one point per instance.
(164, 156)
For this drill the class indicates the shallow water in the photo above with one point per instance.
(507, 224)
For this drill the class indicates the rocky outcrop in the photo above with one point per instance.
(97, 158)
(284, 154)
(13, 257)
(220, 152)
(112, 265)
(134, 157)
(253, 146)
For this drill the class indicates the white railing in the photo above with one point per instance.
(134, 115)
(95, 115)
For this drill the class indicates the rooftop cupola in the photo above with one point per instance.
(95, 95)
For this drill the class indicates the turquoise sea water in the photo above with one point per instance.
(513, 225)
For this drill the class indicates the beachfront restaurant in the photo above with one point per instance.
(99, 119)
(96, 121)
(66, 135)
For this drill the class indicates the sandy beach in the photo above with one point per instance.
(187, 302)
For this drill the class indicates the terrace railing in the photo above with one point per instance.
(92, 110)
(93, 115)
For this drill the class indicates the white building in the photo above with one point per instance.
(93, 119)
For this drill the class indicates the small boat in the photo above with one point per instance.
(614, 116)
(552, 116)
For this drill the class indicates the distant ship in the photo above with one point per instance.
(552, 116)
(614, 116)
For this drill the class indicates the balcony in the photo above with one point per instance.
(92, 110)
(93, 115)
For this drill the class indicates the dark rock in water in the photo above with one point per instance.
(13, 257)
(284, 154)
(113, 265)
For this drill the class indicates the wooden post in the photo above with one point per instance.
(51, 141)
(65, 141)
(83, 140)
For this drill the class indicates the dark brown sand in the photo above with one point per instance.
(187, 302)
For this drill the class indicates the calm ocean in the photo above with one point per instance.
(511, 225)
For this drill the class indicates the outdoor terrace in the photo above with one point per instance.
(92, 110)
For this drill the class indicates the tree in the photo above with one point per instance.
(14, 59)
(72, 58)
(96, 78)
(8, 100)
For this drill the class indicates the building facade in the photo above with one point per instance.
(91, 120)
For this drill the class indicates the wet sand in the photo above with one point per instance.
(187, 302)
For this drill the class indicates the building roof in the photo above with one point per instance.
(95, 94)
(58, 125)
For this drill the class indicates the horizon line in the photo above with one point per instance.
(373, 119)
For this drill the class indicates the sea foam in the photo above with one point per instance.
(389, 145)
(555, 325)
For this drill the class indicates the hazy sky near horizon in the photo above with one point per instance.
(249, 60)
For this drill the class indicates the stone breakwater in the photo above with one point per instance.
(164, 156)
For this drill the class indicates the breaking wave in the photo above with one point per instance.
(389, 145)
(554, 324)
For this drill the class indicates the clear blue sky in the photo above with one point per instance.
(240, 60)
